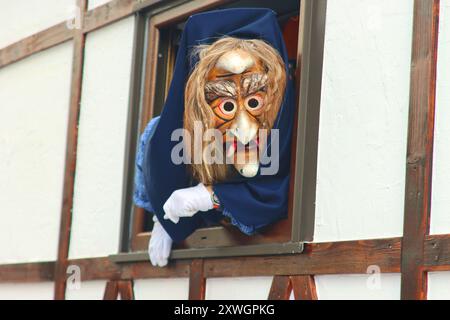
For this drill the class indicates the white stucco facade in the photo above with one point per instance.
(363, 121)
(101, 141)
(34, 104)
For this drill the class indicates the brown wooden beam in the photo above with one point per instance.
(111, 290)
(349, 257)
(197, 280)
(281, 288)
(304, 287)
(113, 11)
(175, 269)
(420, 148)
(71, 156)
(37, 42)
(97, 269)
(27, 272)
(437, 253)
(97, 18)
(126, 290)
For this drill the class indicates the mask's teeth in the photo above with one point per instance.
(231, 150)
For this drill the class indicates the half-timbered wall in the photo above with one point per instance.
(363, 132)
(34, 103)
(361, 158)
(101, 141)
(101, 147)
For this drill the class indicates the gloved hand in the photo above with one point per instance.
(159, 245)
(187, 202)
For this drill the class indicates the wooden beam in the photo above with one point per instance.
(175, 269)
(111, 290)
(437, 253)
(420, 148)
(94, 19)
(281, 288)
(113, 11)
(349, 257)
(197, 281)
(304, 287)
(97, 269)
(27, 272)
(37, 42)
(71, 156)
(126, 290)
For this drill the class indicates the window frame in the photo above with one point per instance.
(284, 237)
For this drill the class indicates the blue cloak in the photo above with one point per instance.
(251, 203)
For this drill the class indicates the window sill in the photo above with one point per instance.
(250, 250)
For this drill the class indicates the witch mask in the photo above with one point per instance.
(236, 87)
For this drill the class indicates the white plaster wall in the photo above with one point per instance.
(90, 290)
(26, 291)
(440, 203)
(101, 141)
(161, 289)
(22, 18)
(363, 122)
(34, 103)
(439, 286)
(358, 287)
(96, 3)
(242, 288)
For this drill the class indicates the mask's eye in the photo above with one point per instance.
(254, 103)
(228, 107)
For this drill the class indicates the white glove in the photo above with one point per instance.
(187, 202)
(159, 245)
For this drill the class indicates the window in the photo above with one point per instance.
(156, 44)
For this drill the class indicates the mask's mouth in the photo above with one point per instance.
(237, 146)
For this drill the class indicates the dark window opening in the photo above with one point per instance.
(288, 15)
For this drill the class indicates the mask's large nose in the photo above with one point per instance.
(244, 128)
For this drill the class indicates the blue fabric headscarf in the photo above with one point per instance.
(250, 203)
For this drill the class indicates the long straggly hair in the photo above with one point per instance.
(196, 107)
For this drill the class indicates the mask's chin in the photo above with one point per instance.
(246, 161)
(244, 155)
(248, 170)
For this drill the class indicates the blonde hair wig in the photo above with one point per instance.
(196, 107)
